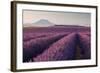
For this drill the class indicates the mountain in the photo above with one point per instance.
(40, 23)
(43, 22)
(47, 23)
(69, 26)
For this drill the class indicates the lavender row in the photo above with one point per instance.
(85, 45)
(29, 36)
(36, 46)
(63, 49)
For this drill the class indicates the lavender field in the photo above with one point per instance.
(56, 43)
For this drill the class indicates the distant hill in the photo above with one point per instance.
(47, 23)
(40, 23)
(69, 26)
(43, 22)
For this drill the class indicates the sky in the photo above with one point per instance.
(59, 18)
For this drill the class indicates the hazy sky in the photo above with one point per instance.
(68, 18)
